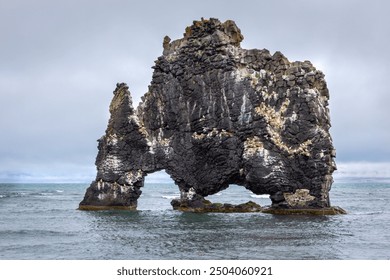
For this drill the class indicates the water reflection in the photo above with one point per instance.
(170, 235)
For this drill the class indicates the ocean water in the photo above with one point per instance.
(40, 221)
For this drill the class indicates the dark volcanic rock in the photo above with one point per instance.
(214, 115)
(333, 210)
(204, 206)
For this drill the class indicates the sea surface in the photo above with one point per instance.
(40, 221)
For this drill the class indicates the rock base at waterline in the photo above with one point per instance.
(333, 210)
(205, 206)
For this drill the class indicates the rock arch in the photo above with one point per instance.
(214, 115)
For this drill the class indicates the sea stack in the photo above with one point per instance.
(214, 115)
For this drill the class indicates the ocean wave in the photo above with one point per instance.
(260, 195)
(170, 196)
(33, 232)
(15, 194)
(369, 213)
(45, 194)
(59, 191)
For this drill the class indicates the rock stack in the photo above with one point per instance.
(214, 115)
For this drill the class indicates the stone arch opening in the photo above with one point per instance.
(157, 192)
(236, 194)
(231, 198)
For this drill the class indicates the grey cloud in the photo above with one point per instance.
(60, 62)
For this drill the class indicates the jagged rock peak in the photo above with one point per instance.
(216, 114)
(206, 33)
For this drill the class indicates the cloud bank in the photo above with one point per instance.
(60, 62)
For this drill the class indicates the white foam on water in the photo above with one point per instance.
(45, 194)
(260, 195)
(170, 196)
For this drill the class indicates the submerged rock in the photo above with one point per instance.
(333, 210)
(216, 114)
(205, 206)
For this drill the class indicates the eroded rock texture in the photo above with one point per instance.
(216, 114)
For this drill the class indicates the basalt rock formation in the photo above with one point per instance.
(216, 114)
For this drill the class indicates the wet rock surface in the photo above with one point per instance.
(216, 114)
(205, 206)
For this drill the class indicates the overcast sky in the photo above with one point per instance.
(60, 61)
